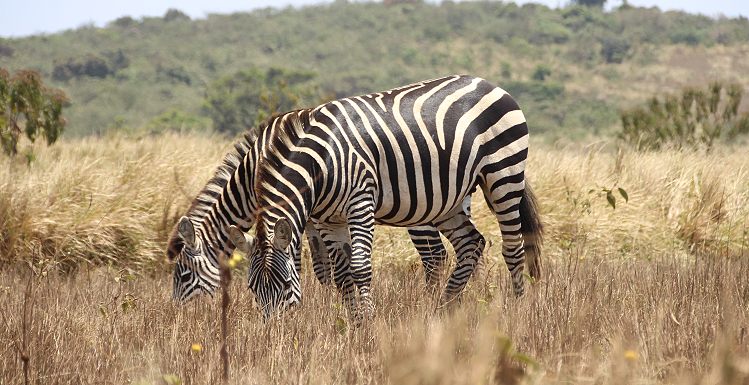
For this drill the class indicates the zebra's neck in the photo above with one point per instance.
(278, 197)
(227, 199)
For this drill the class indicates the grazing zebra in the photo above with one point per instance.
(405, 157)
(201, 236)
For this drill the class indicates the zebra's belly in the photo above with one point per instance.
(414, 212)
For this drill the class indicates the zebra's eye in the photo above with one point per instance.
(185, 277)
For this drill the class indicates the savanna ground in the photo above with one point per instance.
(652, 291)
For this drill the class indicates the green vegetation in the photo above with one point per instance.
(694, 117)
(28, 107)
(239, 101)
(136, 73)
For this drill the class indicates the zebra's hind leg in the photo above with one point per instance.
(432, 251)
(469, 246)
(336, 239)
(321, 261)
(504, 199)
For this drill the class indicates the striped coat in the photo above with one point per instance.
(410, 156)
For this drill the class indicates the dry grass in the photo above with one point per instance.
(101, 200)
(654, 291)
(592, 321)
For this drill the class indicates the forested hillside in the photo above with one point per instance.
(571, 69)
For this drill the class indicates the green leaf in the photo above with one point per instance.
(341, 326)
(611, 199)
(526, 359)
(623, 194)
(128, 302)
(172, 379)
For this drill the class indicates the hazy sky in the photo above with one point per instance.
(26, 17)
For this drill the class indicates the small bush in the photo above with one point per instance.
(614, 48)
(6, 50)
(541, 72)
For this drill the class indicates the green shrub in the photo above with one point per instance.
(240, 101)
(693, 117)
(175, 120)
(90, 66)
(614, 48)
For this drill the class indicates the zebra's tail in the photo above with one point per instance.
(533, 232)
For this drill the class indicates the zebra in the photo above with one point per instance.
(405, 157)
(202, 235)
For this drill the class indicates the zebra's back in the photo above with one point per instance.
(427, 142)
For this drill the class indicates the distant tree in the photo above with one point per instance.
(625, 5)
(175, 14)
(28, 107)
(174, 75)
(590, 3)
(694, 117)
(240, 101)
(124, 22)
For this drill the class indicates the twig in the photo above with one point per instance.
(225, 280)
(22, 346)
(25, 359)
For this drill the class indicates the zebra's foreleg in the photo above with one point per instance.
(361, 227)
(469, 247)
(337, 242)
(321, 261)
(432, 251)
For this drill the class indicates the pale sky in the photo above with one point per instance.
(27, 17)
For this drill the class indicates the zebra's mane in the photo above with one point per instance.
(212, 190)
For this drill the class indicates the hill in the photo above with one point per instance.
(571, 69)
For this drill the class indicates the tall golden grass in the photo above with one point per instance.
(653, 291)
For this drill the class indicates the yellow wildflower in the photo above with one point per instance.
(235, 259)
(631, 355)
(197, 348)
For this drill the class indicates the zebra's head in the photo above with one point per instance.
(272, 276)
(194, 271)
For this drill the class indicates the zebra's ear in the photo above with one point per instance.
(241, 241)
(186, 231)
(282, 233)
